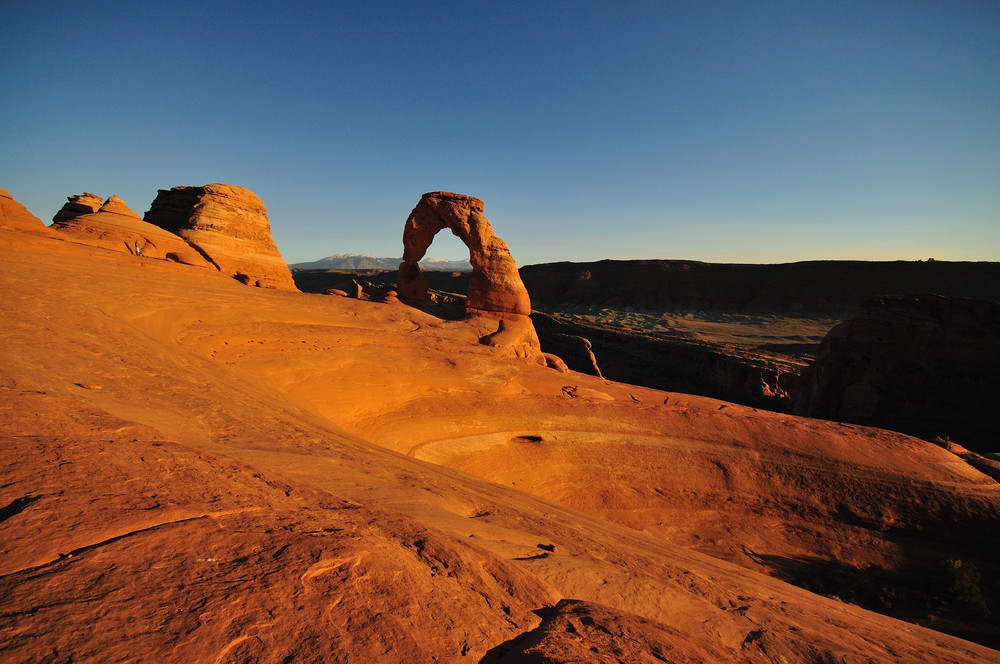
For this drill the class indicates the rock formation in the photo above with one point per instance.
(15, 217)
(740, 375)
(113, 225)
(927, 365)
(79, 205)
(229, 226)
(495, 288)
(824, 288)
(190, 476)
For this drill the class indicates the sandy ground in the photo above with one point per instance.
(196, 470)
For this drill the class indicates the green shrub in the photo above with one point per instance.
(960, 584)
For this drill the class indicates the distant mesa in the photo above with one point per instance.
(15, 217)
(228, 225)
(111, 224)
(926, 365)
(495, 287)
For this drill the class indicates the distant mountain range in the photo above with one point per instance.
(366, 262)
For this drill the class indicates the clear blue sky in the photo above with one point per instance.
(717, 131)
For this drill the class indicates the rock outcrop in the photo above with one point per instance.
(115, 226)
(495, 287)
(16, 217)
(228, 225)
(79, 205)
(927, 365)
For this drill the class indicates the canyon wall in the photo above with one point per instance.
(828, 288)
(926, 365)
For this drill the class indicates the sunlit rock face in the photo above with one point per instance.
(113, 225)
(922, 364)
(495, 287)
(79, 205)
(229, 226)
(16, 217)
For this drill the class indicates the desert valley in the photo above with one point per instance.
(210, 458)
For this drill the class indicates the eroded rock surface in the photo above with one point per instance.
(229, 226)
(922, 364)
(495, 287)
(79, 205)
(113, 225)
(210, 462)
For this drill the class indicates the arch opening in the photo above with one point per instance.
(495, 289)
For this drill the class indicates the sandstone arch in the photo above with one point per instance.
(495, 287)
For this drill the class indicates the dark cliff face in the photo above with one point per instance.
(674, 365)
(927, 365)
(828, 288)
(818, 289)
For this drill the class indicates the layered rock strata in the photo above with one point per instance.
(495, 287)
(228, 225)
(927, 365)
(113, 225)
(79, 205)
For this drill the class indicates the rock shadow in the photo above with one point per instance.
(945, 594)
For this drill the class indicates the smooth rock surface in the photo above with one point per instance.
(116, 227)
(199, 472)
(16, 217)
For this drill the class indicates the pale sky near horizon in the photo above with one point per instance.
(718, 131)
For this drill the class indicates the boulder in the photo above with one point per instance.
(15, 217)
(926, 365)
(115, 226)
(228, 225)
(495, 287)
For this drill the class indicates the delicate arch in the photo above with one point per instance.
(495, 287)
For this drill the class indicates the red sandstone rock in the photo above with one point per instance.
(589, 633)
(116, 205)
(229, 226)
(495, 288)
(15, 217)
(115, 226)
(243, 509)
(79, 205)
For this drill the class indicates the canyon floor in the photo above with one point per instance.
(200, 471)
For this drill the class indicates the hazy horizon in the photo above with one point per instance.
(742, 133)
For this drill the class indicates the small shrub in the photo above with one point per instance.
(959, 583)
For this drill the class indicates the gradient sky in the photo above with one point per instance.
(718, 131)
